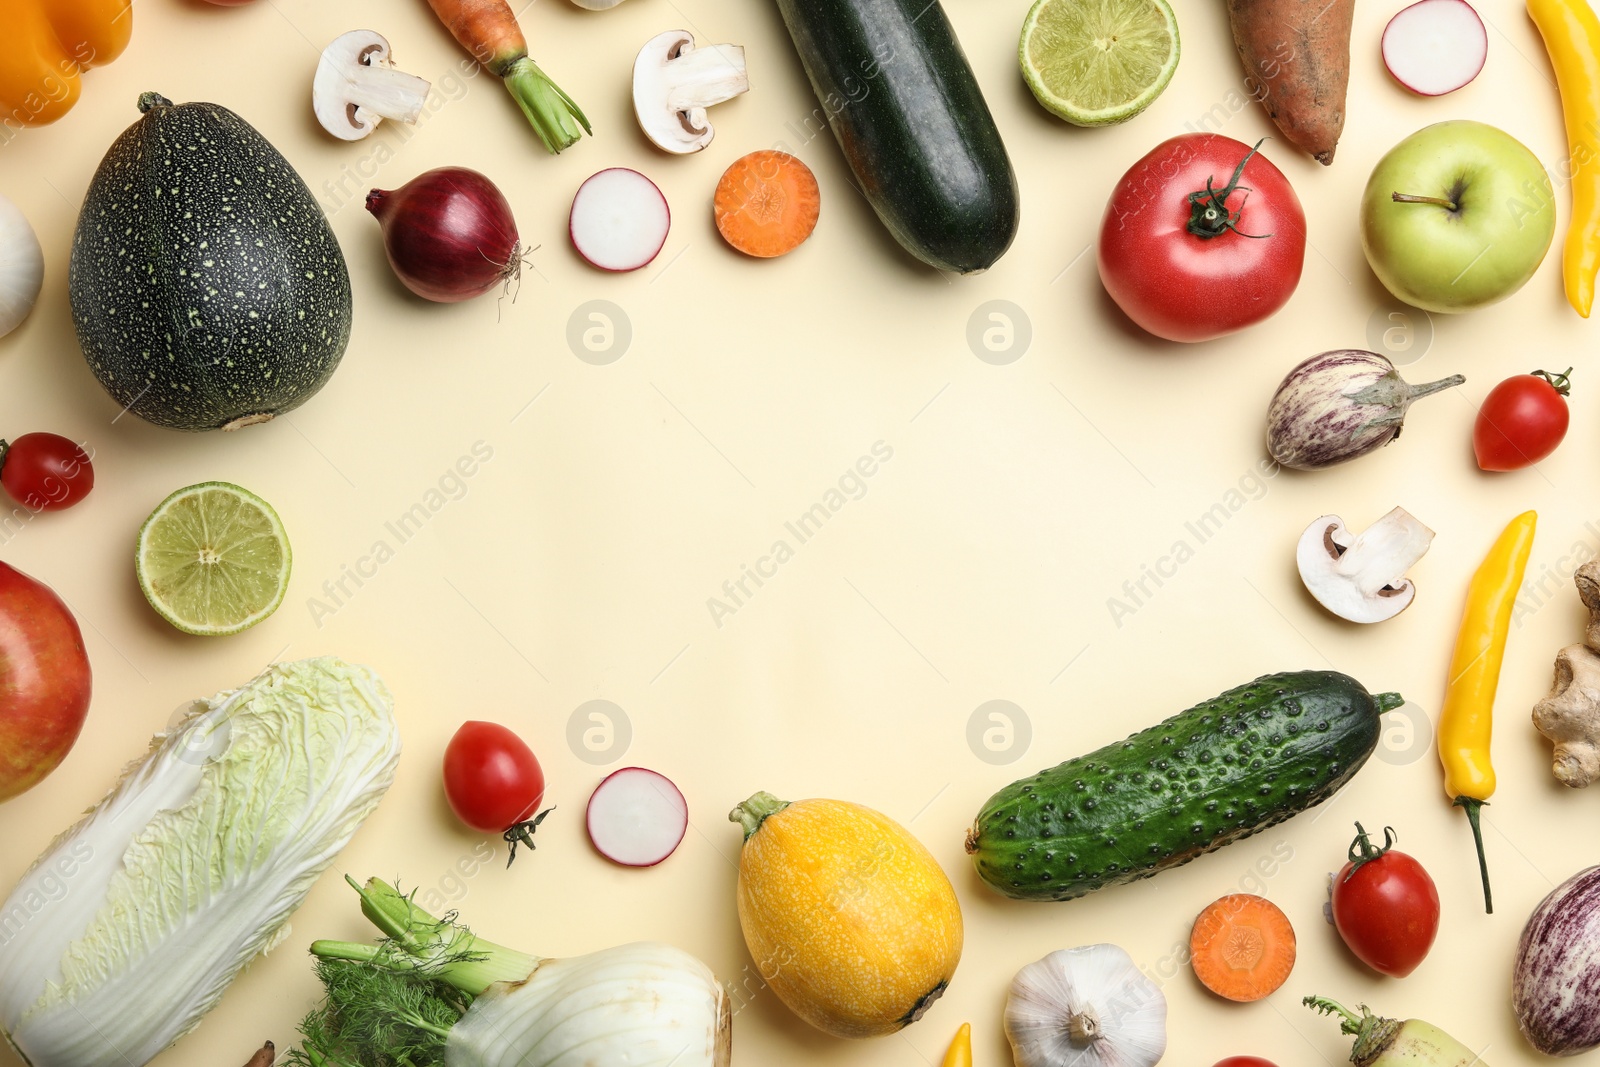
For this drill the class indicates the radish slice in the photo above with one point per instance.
(637, 817)
(1436, 46)
(619, 220)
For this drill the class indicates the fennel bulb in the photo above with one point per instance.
(433, 994)
(130, 926)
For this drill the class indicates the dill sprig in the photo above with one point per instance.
(392, 1002)
(375, 1016)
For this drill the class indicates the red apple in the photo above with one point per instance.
(44, 681)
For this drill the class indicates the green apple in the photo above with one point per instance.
(1456, 216)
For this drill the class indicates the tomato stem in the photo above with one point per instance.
(522, 833)
(1473, 808)
(1437, 201)
(1363, 851)
(1208, 208)
(1561, 382)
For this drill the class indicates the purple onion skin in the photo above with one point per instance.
(1556, 981)
(1339, 405)
(449, 234)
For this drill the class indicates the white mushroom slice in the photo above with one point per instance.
(673, 84)
(1362, 577)
(357, 87)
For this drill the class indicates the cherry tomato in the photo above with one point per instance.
(1245, 1061)
(1202, 237)
(1522, 421)
(45, 472)
(494, 782)
(1385, 906)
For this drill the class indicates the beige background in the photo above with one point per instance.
(978, 565)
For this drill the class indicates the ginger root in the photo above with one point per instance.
(264, 1056)
(1570, 715)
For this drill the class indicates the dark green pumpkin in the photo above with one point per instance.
(896, 88)
(207, 289)
(1207, 777)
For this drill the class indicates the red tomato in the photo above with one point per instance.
(1245, 1061)
(1522, 421)
(494, 782)
(45, 472)
(1385, 906)
(1191, 248)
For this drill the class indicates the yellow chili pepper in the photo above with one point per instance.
(45, 48)
(1571, 33)
(1466, 721)
(960, 1054)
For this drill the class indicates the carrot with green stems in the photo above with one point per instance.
(489, 30)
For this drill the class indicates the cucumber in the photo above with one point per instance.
(902, 101)
(1207, 777)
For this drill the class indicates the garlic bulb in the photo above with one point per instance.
(1086, 1007)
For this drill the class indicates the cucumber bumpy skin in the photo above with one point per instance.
(1207, 777)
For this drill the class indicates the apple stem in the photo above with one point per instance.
(1407, 198)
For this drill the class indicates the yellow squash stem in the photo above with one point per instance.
(1466, 722)
(1571, 33)
(960, 1054)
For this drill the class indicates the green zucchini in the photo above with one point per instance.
(208, 291)
(1207, 777)
(901, 98)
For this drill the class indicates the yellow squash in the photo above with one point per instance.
(46, 45)
(848, 917)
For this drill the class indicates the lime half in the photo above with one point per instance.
(1096, 62)
(213, 559)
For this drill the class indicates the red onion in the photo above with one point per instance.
(449, 234)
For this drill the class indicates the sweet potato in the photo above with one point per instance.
(1296, 56)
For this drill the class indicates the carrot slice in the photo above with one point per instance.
(767, 204)
(1242, 947)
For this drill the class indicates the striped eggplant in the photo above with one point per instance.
(1339, 405)
(1555, 986)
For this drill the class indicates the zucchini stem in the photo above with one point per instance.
(1474, 808)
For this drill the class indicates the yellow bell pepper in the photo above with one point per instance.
(45, 47)
(1466, 722)
(1571, 33)
(960, 1054)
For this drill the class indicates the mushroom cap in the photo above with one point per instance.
(674, 83)
(1361, 577)
(667, 129)
(330, 89)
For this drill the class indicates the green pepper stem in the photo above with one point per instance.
(1473, 808)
